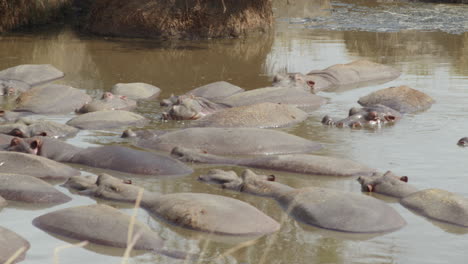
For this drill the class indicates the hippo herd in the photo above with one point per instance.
(227, 125)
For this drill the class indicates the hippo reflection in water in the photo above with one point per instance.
(433, 203)
(320, 207)
(382, 107)
(197, 211)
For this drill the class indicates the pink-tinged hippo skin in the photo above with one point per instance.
(357, 73)
(320, 207)
(21, 78)
(296, 163)
(28, 189)
(110, 157)
(227, 141)
(403, 99)
(367, 117)
(51, 99)
(435, 204)
(10, 243)
(108, 101)
(103, 225)
(196, 211)
(211, 91)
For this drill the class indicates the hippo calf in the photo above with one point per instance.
(320, 207)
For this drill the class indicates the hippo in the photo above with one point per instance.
(103, 225)
(136, 91)
(356, 73)
(25, 128)
(402, 99)
(191, 108)
(28, 189)
(196, 211)
(106, 157)
(11, 244)
(108, 101)
(21, 78)
(296, 163)
(463, 142)
(294, 80)
(36, 166)
(211, 91)
(435, 204)
(369, 117)
(319, 207)
(51, 99)
(226, 141)
(107, 119)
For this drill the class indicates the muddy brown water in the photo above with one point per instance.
(421, 146)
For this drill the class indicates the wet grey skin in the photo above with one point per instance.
(9, 116)
(28, 189)
(136, 91)
(108, 101)
(296, 163)
(107, 119)
(110, 157)
(435, 204)
(51, 99)
(103, 225)
(36, 166)
(10, 243)
(211, 91)
(263, 115)
(21, 78)
(356, 73)
(319, 207)
(196, 211)
(25, 128)
(227, 141)
(402, 99)
(191, 108)
(284, 95)
(367, 117)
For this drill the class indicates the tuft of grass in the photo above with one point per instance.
(15, 255)
(60, 248)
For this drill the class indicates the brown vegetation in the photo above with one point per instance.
(19, 13)
(179, 18)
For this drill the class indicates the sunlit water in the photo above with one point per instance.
(421, 146)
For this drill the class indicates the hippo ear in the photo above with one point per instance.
(271, 177)
(2, 112)
(17, 133)
(370, 187)
(14, 142)
(404, 178)
(43, 134)
(311, 84)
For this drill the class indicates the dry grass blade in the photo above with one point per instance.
(131, 240)
(236, 248)
(60, 248)
(15, 255)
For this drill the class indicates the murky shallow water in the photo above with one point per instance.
(421, 146)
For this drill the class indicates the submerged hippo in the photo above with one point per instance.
(21, 78)
(28, 189)
(358, 73)
(197, 211)
(103, 225)
(192, 108)
(107, 119)
(433, 203)
(402, 99)
(320, 207)
(37, 166)
(296, 163)
(136, 91)
(227, 141)
(25, 128)
(211, 91)
(106, 157)
(108, 101)
(10, 244)
(52, 99)
(373, 116)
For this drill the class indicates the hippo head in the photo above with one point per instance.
(104, 186)
(463, 142)
(387, 184)
(294, 80)
(230, 180)
(191, 108)
(31, 146)
(372, 116)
